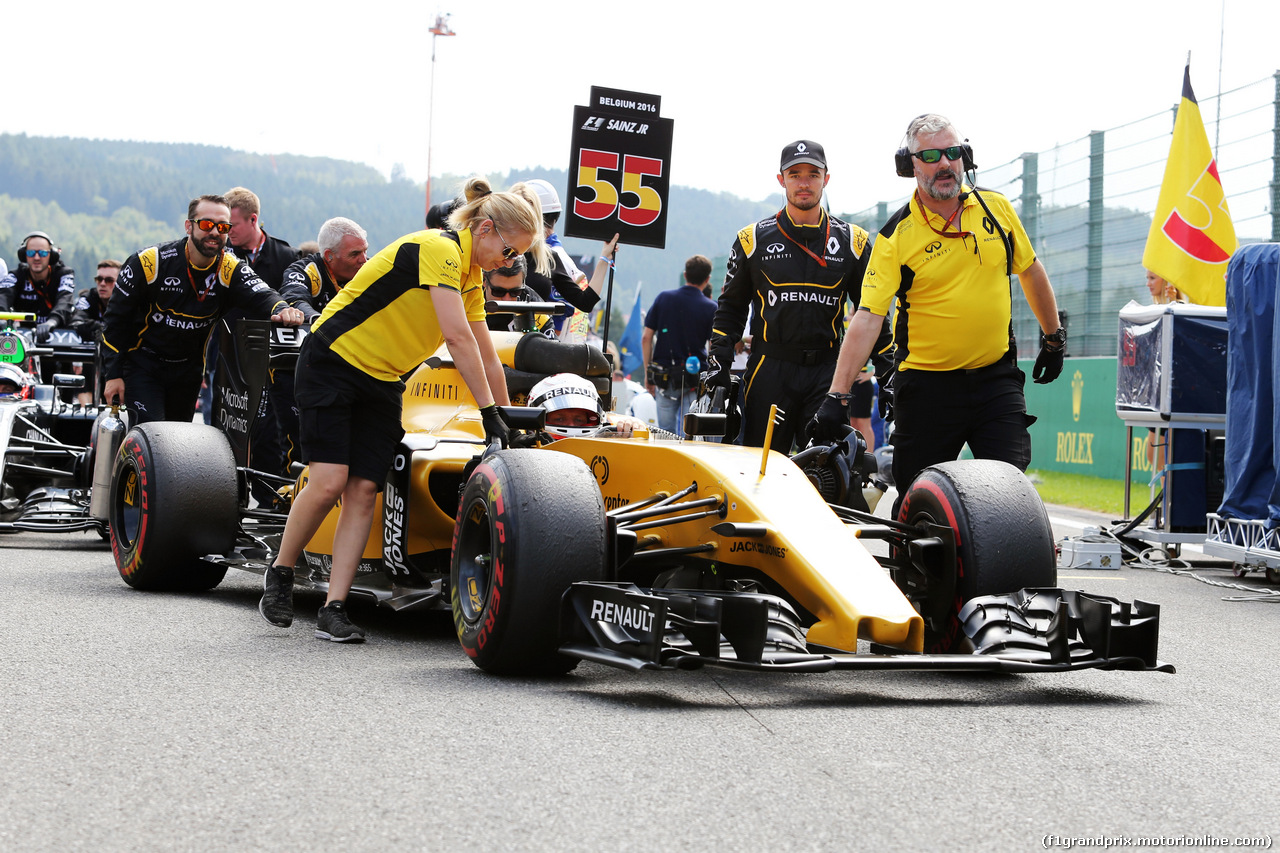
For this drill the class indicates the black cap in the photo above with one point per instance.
(803, 151)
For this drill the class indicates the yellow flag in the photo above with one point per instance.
(1191, 237)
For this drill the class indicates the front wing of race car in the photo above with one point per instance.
(1033, 630)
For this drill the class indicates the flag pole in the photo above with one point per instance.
(439, 28)
(608, 300)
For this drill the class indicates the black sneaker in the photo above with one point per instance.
(332, 623)
(276, 605)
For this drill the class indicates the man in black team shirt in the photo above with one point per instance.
(270, 257)
(166, 301)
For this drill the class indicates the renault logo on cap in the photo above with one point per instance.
(801, 148)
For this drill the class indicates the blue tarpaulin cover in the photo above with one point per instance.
(1253, 370)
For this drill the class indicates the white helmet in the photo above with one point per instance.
(547, 195)
(15, 383)
(567, 391)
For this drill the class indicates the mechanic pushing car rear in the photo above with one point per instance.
(422, 290)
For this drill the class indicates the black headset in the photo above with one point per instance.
(906, 169)
(902, 157)
(55, 254)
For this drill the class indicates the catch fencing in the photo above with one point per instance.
(1087, 205)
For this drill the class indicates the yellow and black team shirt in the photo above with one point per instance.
(953, 293)
(383, 321)
(308, 286)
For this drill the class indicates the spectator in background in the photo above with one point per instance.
(1162, 292)
(41, 285)
(308, 247)
(681, 320)
(86, 320)
(309, 283)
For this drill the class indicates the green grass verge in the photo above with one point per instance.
(1092, 493)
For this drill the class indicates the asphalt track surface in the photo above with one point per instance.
(145, 721)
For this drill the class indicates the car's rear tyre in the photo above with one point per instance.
(173, 500)
(531, 522)
(1003, 538)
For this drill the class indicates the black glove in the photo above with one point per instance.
(45, 329)
(831, 422)
(495, 425)
(1048, 364)
(724, 358)
(885, 401)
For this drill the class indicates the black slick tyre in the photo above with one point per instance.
(1004, 542)
(173, 500)
(531, 522)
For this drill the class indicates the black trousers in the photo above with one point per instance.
(938, 412)
(797, 389)
(159, 390)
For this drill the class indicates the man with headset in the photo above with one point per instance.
(947, 257)
(41, 285)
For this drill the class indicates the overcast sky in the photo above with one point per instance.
(740, 79)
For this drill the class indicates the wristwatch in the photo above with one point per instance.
(1057, 340)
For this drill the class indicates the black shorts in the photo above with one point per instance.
(346, 417)
(860, 403)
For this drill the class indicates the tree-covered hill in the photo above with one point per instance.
(101, 198)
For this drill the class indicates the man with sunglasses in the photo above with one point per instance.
(507, 284)
(86, 319)
(166, 302)
(794, 271)
(41, 285)
(946, 257)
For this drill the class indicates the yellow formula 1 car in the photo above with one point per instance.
(647, 551)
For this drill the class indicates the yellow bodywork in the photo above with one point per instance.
(807, 550)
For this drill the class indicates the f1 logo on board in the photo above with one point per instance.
(619, 170)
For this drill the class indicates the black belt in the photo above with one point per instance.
(149, 352)
(798, 355)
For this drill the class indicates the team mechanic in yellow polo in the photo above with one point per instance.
(947, 263)
(423, 289)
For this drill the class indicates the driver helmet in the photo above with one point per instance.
(14, 383)
(573, 407)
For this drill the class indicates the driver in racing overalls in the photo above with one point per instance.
(574, 409)
(796, 269)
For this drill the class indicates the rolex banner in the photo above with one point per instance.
(1191, 237)
(619, 169)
